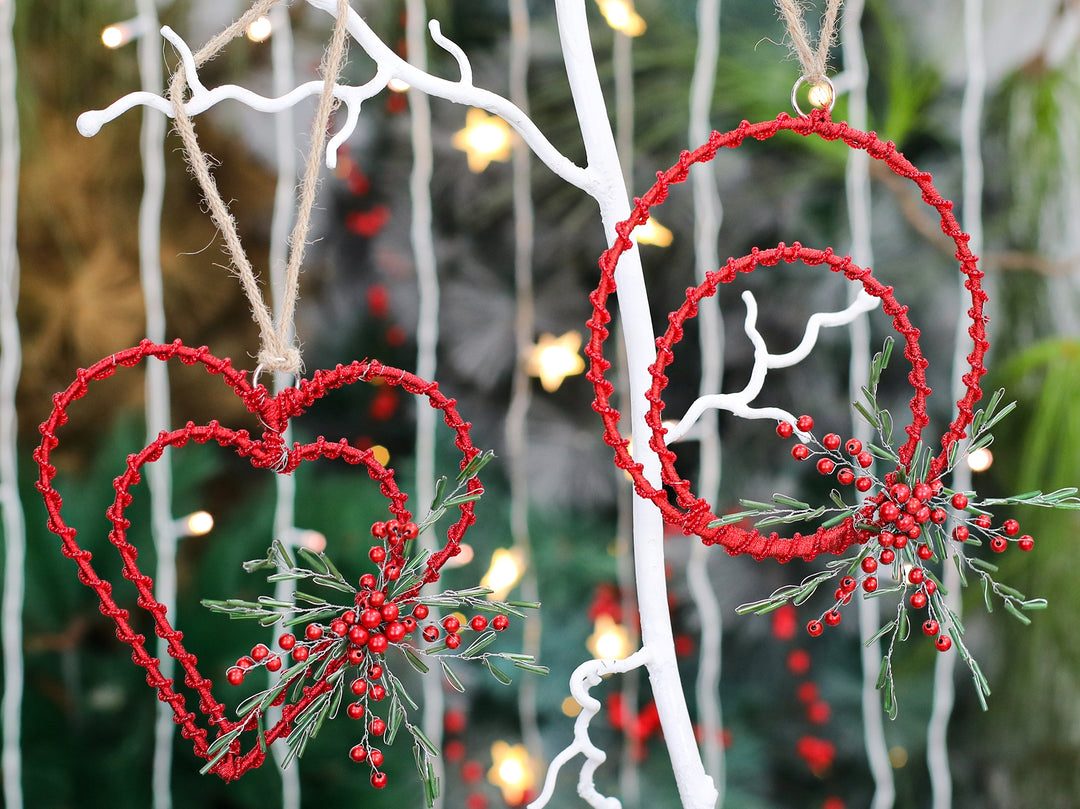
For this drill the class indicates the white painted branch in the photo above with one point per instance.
(738, 404)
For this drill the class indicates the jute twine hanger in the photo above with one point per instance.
(277, 351)
(814, 60)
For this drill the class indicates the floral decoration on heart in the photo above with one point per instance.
(896, 519)
(386, 610)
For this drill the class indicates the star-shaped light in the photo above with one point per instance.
(555, 358)
(511, 772)
(484, 138)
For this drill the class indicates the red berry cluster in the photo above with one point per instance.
(848, 472)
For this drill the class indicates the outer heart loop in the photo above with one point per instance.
(267, 452)
(694, 514)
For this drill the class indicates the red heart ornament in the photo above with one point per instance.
(266, 452)
(694, 515)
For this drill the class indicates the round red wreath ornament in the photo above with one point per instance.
(266, 452)
(694, 515)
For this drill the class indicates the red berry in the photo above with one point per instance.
(259, 652)
(370, 618)
(864, 484)
(395, 631)
(358, 687)
(245, 662)
(870, 584)
(917, 600)
(378, 643)
(869, 564)
(499, 623)
(313, 632)
(825, 466)
(392, 527)
(912, 506)
(929, 586)
(356, 656)
(431, 634)
(235, 675)
(375, 672)
(922, 515)
(959, 501)
(804, 423)
(887, 556)
(943, 643)
(864, 459)
(409, 623)
(339, 627)
(367, 581)
(998, 544)
(453, 641)
(924, 552)
(378, 780)
(409, 531)
(378, 530)
(478, 623)
(853, 446)
(923, 491)
(961, 533)
(358, 754)
(287, 641)
(1026, 543)
(377, 554)
(349, 617)
(1011, 527)
(916, 575)
(377, 692)
(900, 492)
(818, 712)
(814, 628)
(938, 516)
(784, 429)
(832, 618)
(375, 756)
(451, 623)
(983, 520)
(420, 612)
(847, 584)
(914, 532)
(886, 539)
(930, 627)
(800, 452)
(845, 476)
(377, 599)
(390, 612)
(358, 635)
(831, 441)
(905, 522)
(888, 511)
(900, 541)
(355, 710)
(273, 663)
(392, 572)
(300, 654)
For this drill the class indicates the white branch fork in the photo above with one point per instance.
(738, 404)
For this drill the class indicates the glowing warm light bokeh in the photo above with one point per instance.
(116, 35)
(621, 16)
(198, 523)
(381, 453)
(980, 460)
(397, 85)
(571, 707)
(313, 540)
(609, 640)
(506, 568)
(465, 555)
(260, 30)
(553, 359)
(652, 232)
(484, 138)
(511, 771)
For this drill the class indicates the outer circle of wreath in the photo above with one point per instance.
(267, 452)
(694, 514)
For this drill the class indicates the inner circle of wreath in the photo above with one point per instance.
(694, 514)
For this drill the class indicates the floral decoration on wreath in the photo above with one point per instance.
(896, 521)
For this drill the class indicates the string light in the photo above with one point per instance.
(980, 460)
(484, 138)
(121, 33)
(609, 640)
(652, 232)
(506, 568)
(399, 86)
(260, 29)
(511, 772)
(553, 359)
(197, 524)
(381, 453)
(621, 16)
(571, 707)
(465, 555)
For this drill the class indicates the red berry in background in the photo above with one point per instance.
(831, 441)
(395, 631)
(916, 575)
(983, 520)
(961, 533)
(864, 459)
(853, 446)
(273, 663)
(375, 756)
(800, 452)
(826, 466)
(798, 662)
(378, 643)
(1026, 543)
(358, 754)
(431, 634)
(358, 635)
(358, 687)
(234, 676)
(377, 692)
(887, 556)
(259, 652)
(784, 429)
(367, 581)
(804, 423)
(918, 600)
(900, 492)
(451, 623)
(930, 627)
(390, 612)
(377, 554)
(814, 628)
(355, 710)
(1011, 527)
(959, 501)
(924, 552)
(999, 544)
(478, 623)
(499, 623)
(869, 564)
(287, 641)
(870, 584)
(923, 491)
(420, 612)
(943, 643)
(453, 641)
(300, 654)
(888, 511)
(818, 712)
(832, 618)
(845, 476)
(378, 780)
(864, 484)
(377, 599)
(370, 618)
(938, 516)
(313, 632)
